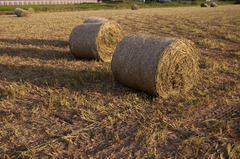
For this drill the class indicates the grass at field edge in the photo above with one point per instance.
(107, 5)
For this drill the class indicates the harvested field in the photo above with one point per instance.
(54, 105)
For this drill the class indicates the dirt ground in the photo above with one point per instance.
(53, 105)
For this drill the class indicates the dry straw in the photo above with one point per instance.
(95, 20)
(134, 7)
(156, 65)
(95, 40)
(213, 4)
(204, 5)
(31, 10)
(21, 12)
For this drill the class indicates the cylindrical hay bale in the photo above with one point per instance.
(134, 7)
(157, 65)
(21, 12)
(95, 20)
(204, 5)
(30, 10)
(95, 40)
(213, 4)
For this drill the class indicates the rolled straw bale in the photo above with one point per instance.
(21, 12)
(156, 65)
(95, 40)
(95, 20)
(134, 7)
(213, 4)
(31, 10)
(204, 5)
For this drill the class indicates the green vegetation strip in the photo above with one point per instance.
(108, 5)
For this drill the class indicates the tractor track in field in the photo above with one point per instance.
(221, 112)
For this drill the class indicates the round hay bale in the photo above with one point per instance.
(134, 7)
(31, 10)
(213, 4)
(21, 12)
(156, 65)
(204, 5)
(95, 40)
(95, 20)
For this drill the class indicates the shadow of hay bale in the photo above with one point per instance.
(37, 42)
(36, 53)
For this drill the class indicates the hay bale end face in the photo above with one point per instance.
(213, 4)
(156, 65)
(31, 10)
(95, 40)
(134, 7)
(204, 5)
(95, 20)
(21, 12)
